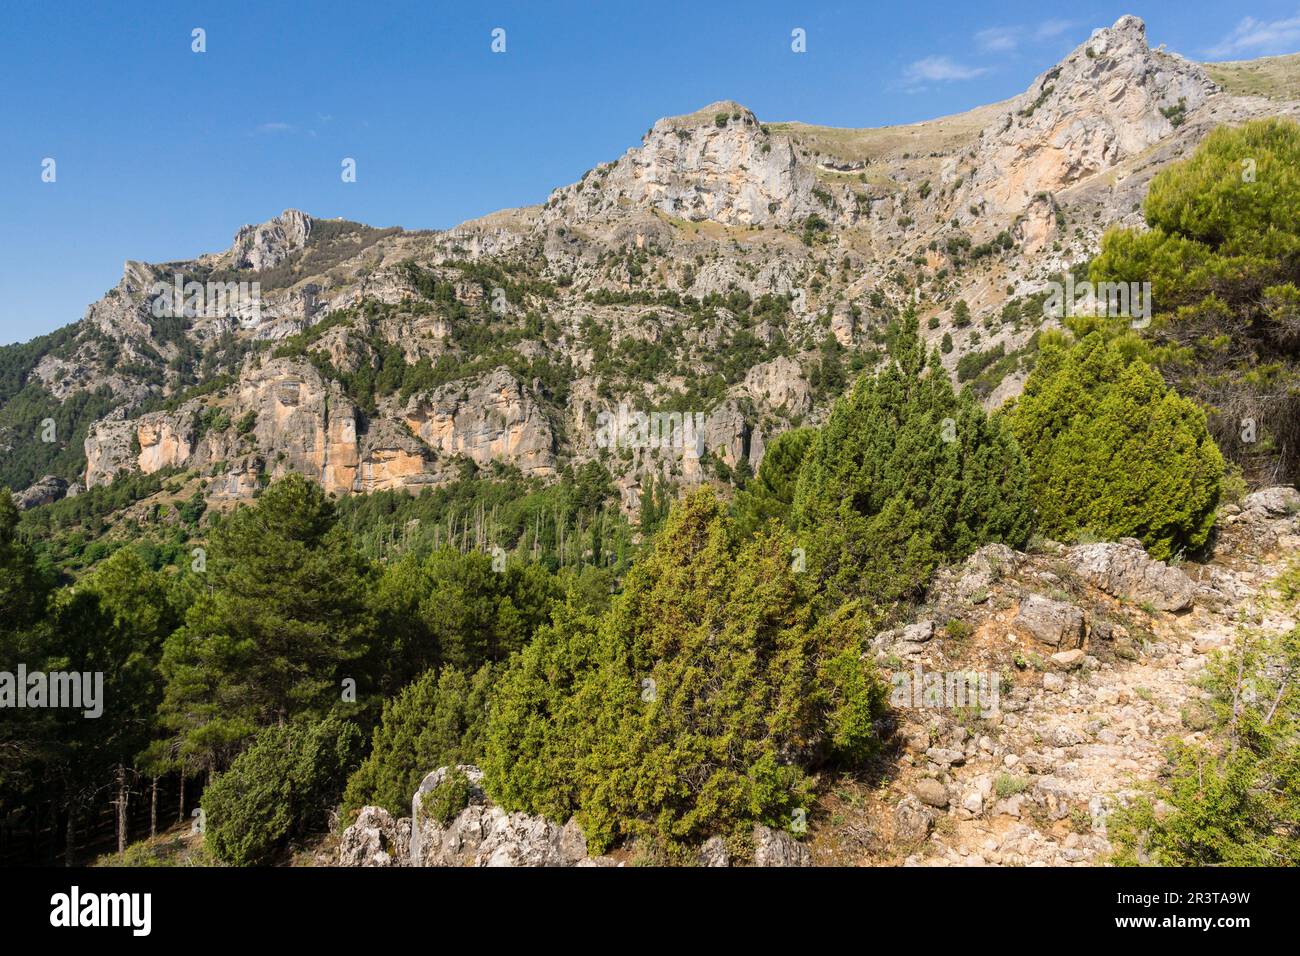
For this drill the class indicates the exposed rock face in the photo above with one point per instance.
(780, 383)
(778, 848)
(485, 835)
(639, 281)
(311, 426)
(376, 840)
(302, 423)
(1099, 106)
(109, 449)
(496, 418)
(165, 441)
(1051, 622)
(270, 243)
(727, 433)
(716, 164)
(1124, 570)
(391, 458)
(47, 490)
(1273, 502)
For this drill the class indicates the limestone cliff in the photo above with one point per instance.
(725, 267)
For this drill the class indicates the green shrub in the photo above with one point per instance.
(280, 787)
(903, 476)
(445, 801)
(697, 706)
(771, 494)
(1112, 451)
(961, 314)
(1223, 259)
(437, 721)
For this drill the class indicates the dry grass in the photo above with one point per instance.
(947, 134)
(1273, 77)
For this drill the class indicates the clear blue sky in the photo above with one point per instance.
(163, 153)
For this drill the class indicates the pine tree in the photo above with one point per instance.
(1114, 452)
(903, 476)
(285, 622)
(1222, 257)
(771, 494)
(28, 737)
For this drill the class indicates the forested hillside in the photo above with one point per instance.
(316, 565)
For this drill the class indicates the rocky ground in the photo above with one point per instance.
(1096, 649)
(1095, 681)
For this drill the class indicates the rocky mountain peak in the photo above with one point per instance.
(721, 114)
(717, 164)
(1110, 99)
(267, 244)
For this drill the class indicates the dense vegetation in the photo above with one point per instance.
(696, 706)
(905, 475)
(699, 671)
(1223, 259)
(1113, 452)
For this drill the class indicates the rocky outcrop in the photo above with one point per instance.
(1124, 570)
(1050, 622)
(1075, 731)
(778, 848)
(46, 491)
(376, 840)
(1109, 100)
(903, 642)
(717, 164)
(485, 835)
(771, 848)
(1276, 502)
(780, 384)
(268, 244)
(493, 419)
(391, 458)
(166, 441)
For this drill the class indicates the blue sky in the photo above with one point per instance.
(162, 153)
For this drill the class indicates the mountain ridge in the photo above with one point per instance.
(739, 269)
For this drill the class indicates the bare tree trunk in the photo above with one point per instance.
(180, 814)
(70, 835)
(121, 808)
(153, 808)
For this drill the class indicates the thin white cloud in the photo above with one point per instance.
(1006, 39)
(1253, 37)
(940, 69)
(274, 127)
(997, 39)
(1050, 29)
